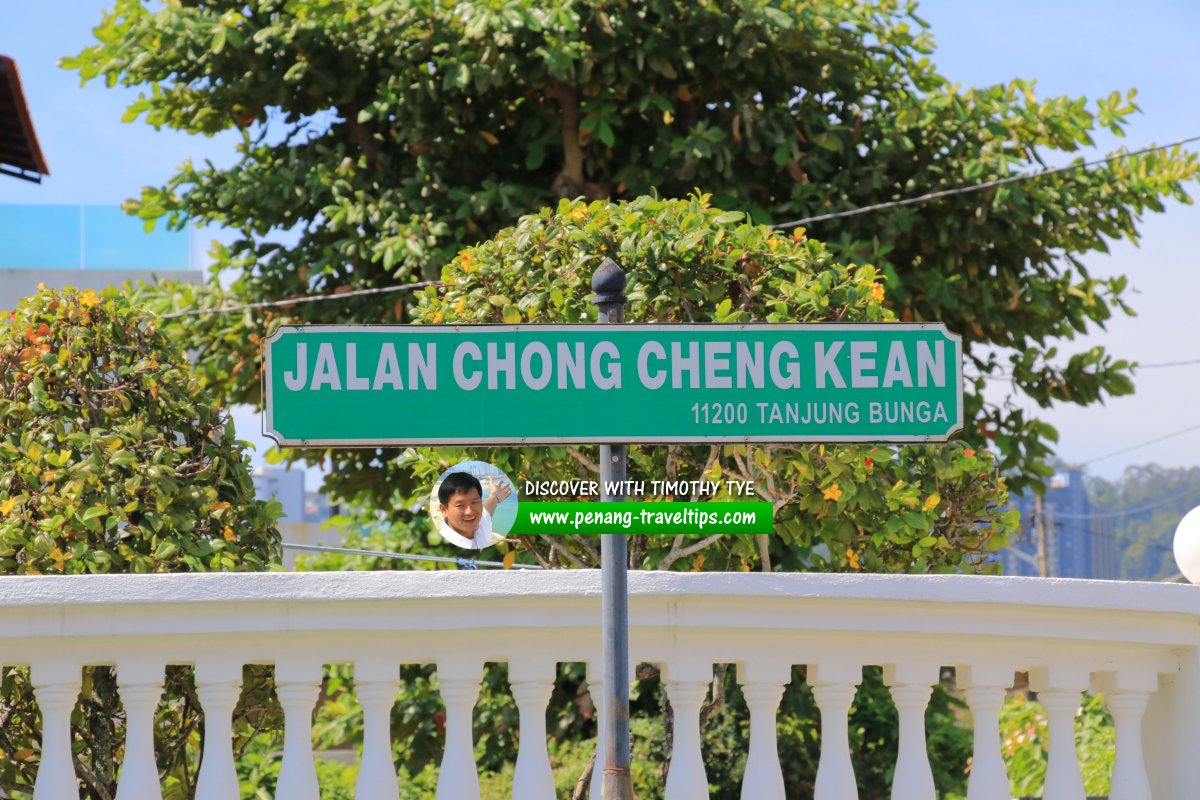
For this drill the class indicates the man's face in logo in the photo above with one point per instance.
(464, 512)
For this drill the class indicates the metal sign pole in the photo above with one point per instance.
(608, 283)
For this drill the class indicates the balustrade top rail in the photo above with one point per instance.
(40, 606)
(433, 584)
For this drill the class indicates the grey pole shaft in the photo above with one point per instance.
(617, 783)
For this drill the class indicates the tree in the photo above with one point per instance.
(878, 509)
(114, 459)
(380, 137)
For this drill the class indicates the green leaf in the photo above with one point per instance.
(93, 512)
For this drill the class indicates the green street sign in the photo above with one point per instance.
(374, 385)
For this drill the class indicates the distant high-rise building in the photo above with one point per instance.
(304, 512)
(1079, 545)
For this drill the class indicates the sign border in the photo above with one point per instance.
(281, 441)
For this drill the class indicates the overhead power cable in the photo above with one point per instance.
(315, 298)
(853, 212)
(1124, 450)
(1006, 374)
(1127, 512)
(978, 187)
(1113, 535)
(1162, 364)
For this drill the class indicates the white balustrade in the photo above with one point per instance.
(911, 684)
(1128, 692)
(596, 689)
(56, 685)
(1136, 643)
(1060, 691)
(532, 682)
(140, 683)
(687, 687)
(218, 687)
(297, 684)
(458, 682)
(376, 683)
(834, 684)
(984, 686)
(763, 681)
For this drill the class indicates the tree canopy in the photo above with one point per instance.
(847, 508)
(381, 136)
(115, 459)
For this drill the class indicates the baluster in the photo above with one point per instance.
(911, 684)
(56, 687)
(834, 685)
(377, 682)
(687, 687)
(762, 683)
(984, 686)
(596, 689)
(1128, 693)
(458, 682)
(140, 683)
(532, 681)
(297, 684)
(1059, 690)
(218, 686)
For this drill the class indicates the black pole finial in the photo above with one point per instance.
(608, 282)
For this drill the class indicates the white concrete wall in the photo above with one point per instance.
(1137, 642)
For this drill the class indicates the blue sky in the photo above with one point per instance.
(1074, 47)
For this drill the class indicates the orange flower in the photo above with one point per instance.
(877, 292)
(852, 557)
(833, 493)
(968, 453)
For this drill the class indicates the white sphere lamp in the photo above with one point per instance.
(1187, 546)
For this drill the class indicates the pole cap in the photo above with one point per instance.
(608, 282)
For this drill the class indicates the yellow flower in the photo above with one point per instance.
(88, 299)
(578, 213)
(931, 502)
(852, 557)
(7, 506)
(833, 493)
(229, 535)
(877, 292)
